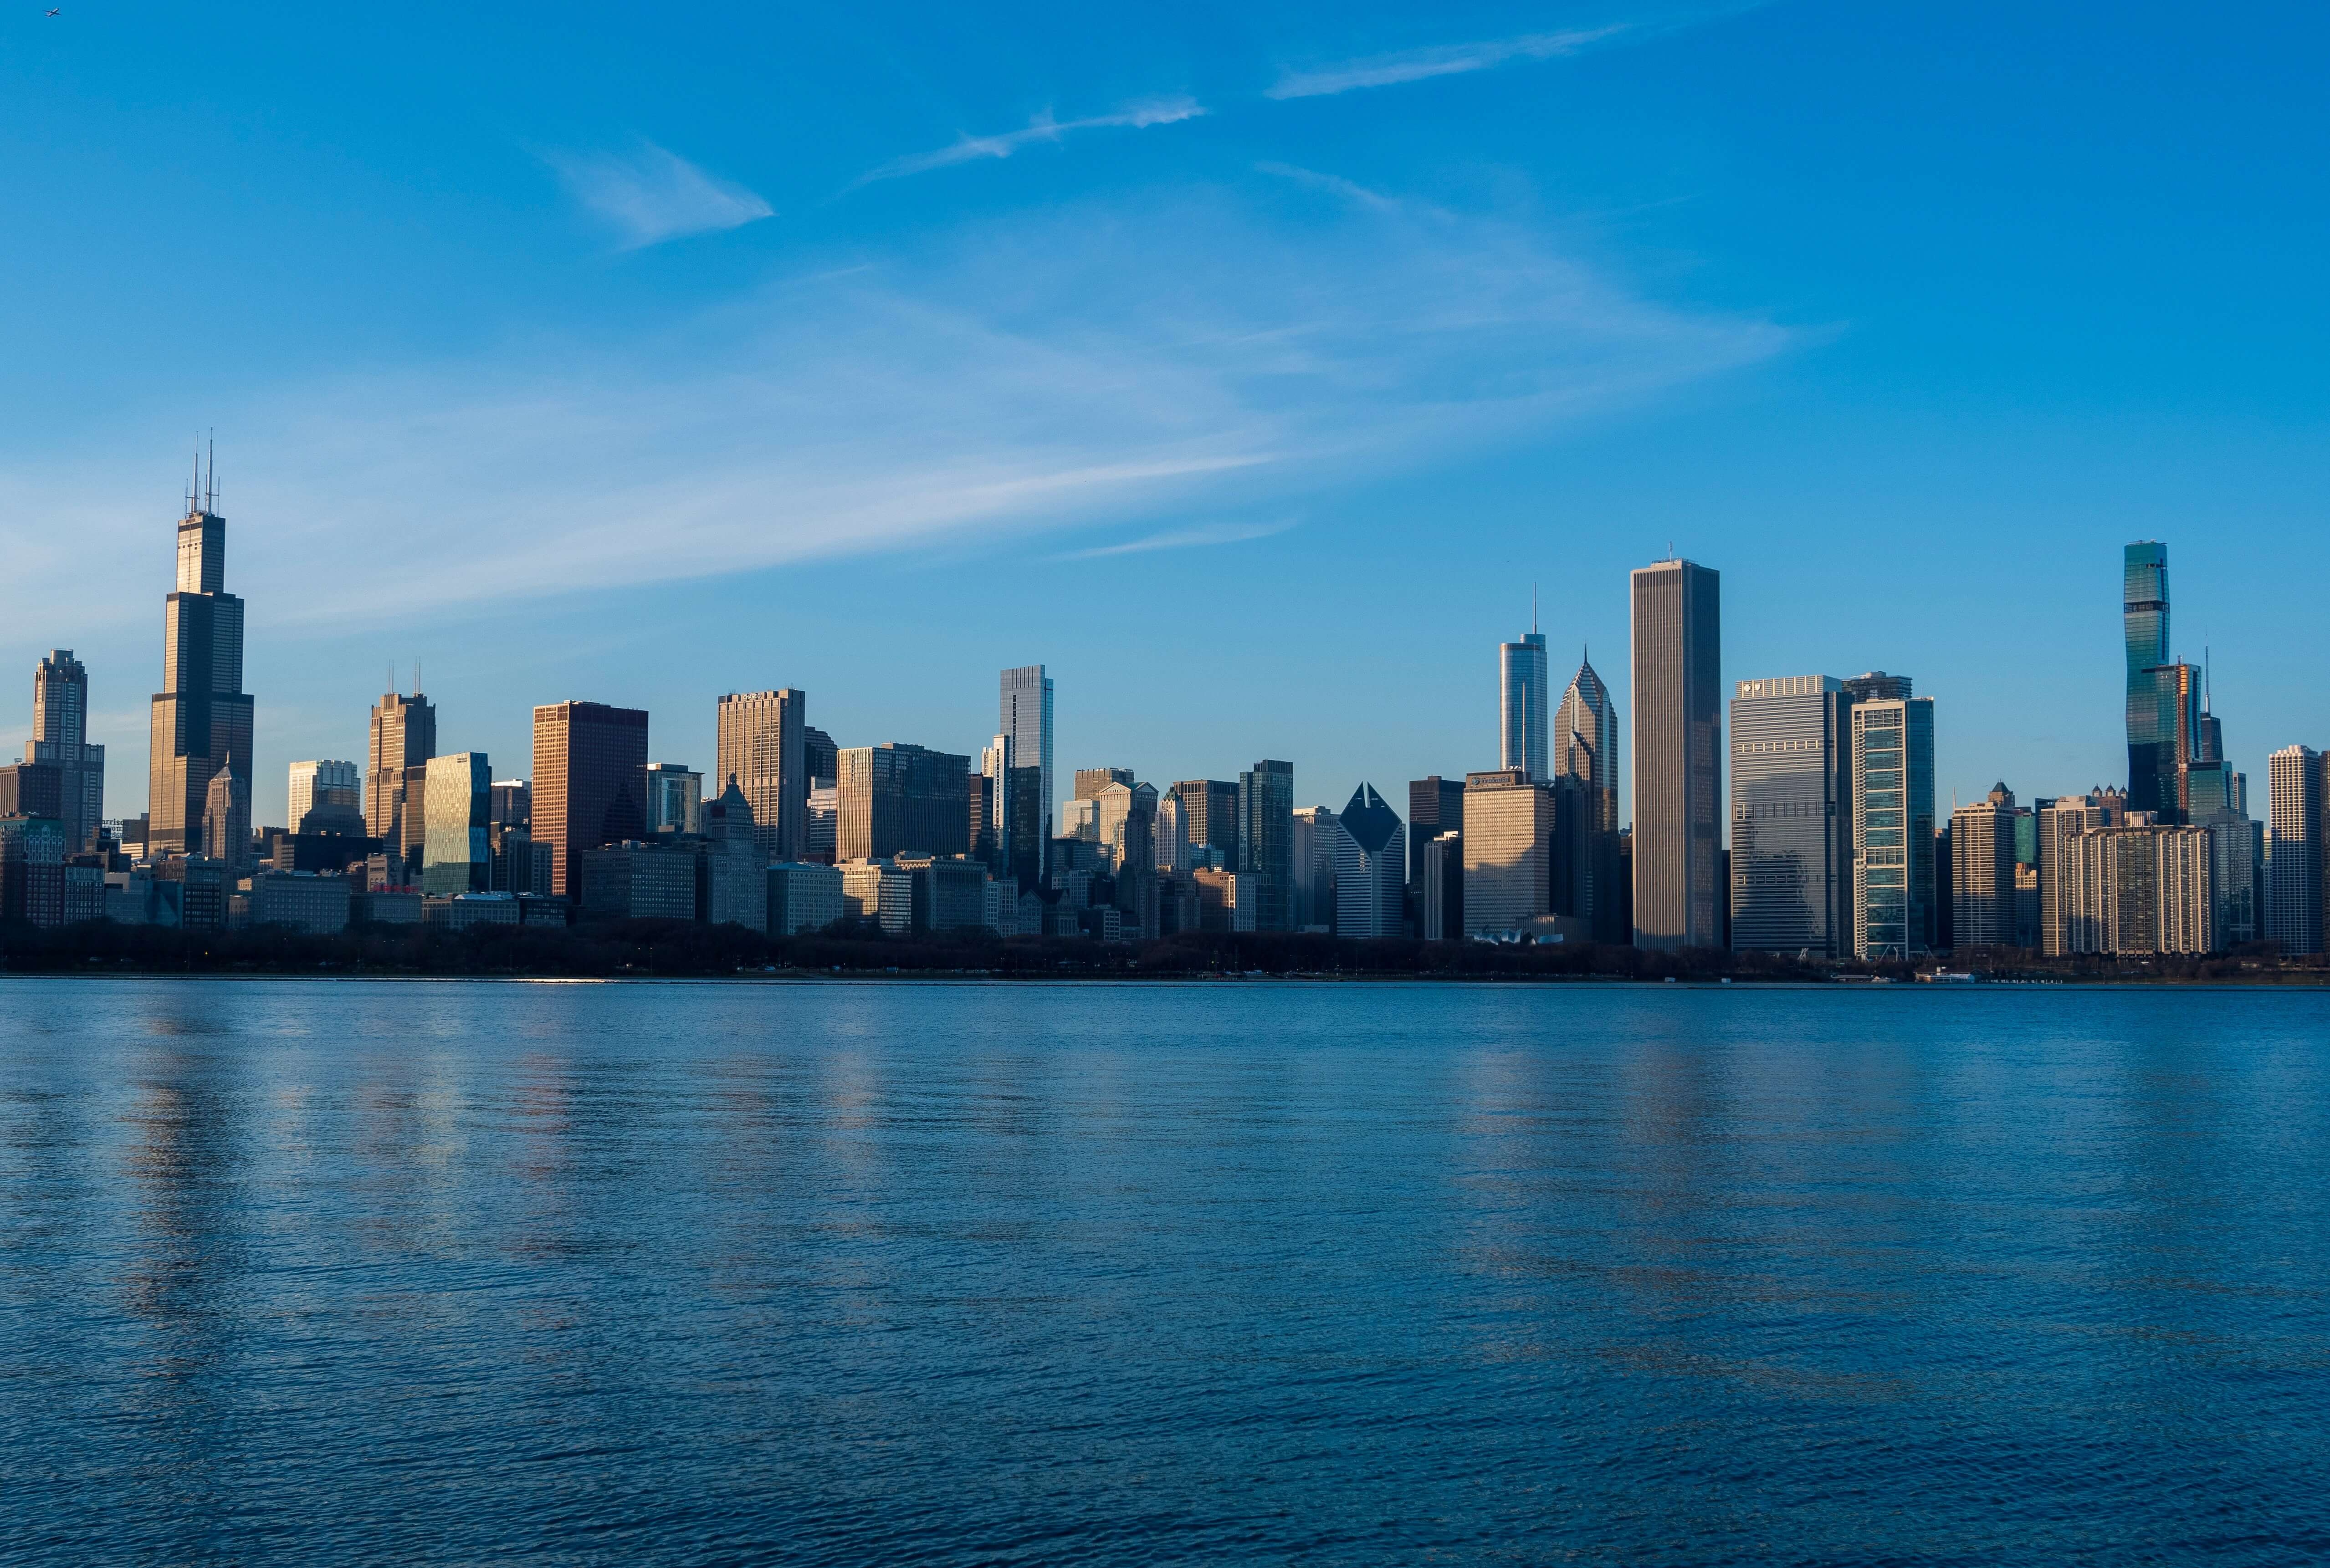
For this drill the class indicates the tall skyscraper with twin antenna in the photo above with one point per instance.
(202, 716)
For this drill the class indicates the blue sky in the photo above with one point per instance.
(1244, 364)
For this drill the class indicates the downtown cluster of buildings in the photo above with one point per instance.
(1827, 843)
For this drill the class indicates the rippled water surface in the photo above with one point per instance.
(850, 1273)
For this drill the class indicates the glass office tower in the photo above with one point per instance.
(1521, 706)
(1791, 815)
(1893, 829)
(1026, 717)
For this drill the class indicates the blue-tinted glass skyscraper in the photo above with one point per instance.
(2151, 741)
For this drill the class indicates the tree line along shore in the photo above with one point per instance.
(684, 949)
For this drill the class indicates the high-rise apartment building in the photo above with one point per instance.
(675, 799)
(1792, 815)
(2143, 615)
(1678, 632)
(1026, 716)
(202, 717)
(1371, 868)
(1266, 832)
(61, 741)
(2294, 856)
(1982, 861)
(320, 782)
(892, 800)
(1893, 891)
(589, 783)
(1521, 706)
(457, 854)
(764, 746)
(403, 737)
(2140, 887)
(2057, 822)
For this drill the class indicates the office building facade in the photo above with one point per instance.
(1209, 813)
(1026, 716)
(589, 783)
(1265, 831)
(675, 799)
(1507, 848)
(1371, 868)
(61, 741)
(2143, 616)
(202, 717)
(1585, 751)
(895, 798)
(2296, 863)
(402, 738)
(1678, 895)
(1791, 815)
(1435, 806)
(1893, 891)
(457, 852)
(762, 744)
(321, 782)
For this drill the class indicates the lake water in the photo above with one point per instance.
(316, 1272)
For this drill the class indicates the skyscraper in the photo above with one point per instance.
(1893, 890)
(318, 782)
(202, 717)
(1585, 751)
(1521, 704)
(1510, 823)
(1677, 758)
(675, 799)
(2143, 616)
(1435, 806)
(1982, 872)
(403, 738)
(60, 740)
(456, 856)
(1266, 815)
(764, 746)
(589, 783)
(1209, 818)
(1791, 815)
(1026, 715)
(1371, 868)
(893, 799)
(2294, 856)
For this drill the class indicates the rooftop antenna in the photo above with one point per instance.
(194, 484)
(210, 489)
(1533, 607)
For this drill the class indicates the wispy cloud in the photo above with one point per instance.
(652, 196)
(1447, 59)
(1043, 127)
(1189, 538)
(1138, 365)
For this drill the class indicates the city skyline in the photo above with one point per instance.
(1537, 320)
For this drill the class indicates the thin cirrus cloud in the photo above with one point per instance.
(1189, 538)
(1446, 59)
(652, 194)
(1157, 360)
(1042, 128)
